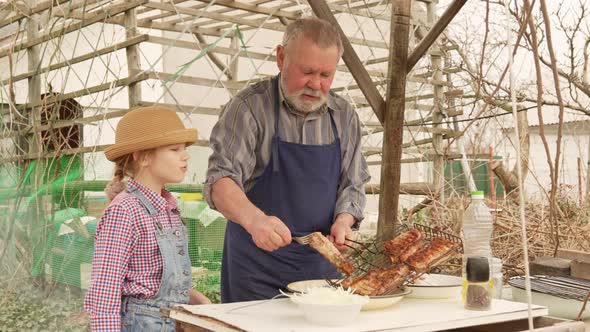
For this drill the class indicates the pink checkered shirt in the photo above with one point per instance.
(127, 260)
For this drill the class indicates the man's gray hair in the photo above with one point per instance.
(321, 32)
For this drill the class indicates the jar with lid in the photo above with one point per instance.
(477, 291)
(496, 277)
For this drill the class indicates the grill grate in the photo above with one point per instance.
(372, 255)
(563, 287)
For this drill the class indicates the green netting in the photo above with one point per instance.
(68, 253)
(56, 216)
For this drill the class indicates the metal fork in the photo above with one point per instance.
(304, 240)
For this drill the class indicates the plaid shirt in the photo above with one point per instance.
(127, 259)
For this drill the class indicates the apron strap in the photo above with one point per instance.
(334, 129)
(276, 108)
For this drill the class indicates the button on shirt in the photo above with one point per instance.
(241, 142)
(127, 260)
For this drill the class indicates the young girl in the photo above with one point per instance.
(141, 261)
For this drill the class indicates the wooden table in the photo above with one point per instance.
(408, 315)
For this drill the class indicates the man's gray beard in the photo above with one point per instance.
(299, 105)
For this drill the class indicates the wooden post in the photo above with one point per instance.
(133, 64)
(34, 82)
(357, 69)
(394, 118)
(438, 170)
(35, 223)
(435, 31)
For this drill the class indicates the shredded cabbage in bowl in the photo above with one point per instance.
(328, 295)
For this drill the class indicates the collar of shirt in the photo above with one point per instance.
(162, 203)
(283, 101)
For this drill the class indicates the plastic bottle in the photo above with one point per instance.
(477, 227)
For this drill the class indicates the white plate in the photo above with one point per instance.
(436, 286)
(375, 302)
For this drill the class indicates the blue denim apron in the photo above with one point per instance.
(144, 314)
(298, 186)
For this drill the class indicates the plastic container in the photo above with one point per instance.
(477, 291)
(496, 277)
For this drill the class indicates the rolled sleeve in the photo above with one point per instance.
(233, 141)
(114, 243)
(351, 196)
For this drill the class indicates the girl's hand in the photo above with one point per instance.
(195, 297)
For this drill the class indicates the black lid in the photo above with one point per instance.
(478, 269)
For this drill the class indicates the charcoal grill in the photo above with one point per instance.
(368, 256)
(563, 287)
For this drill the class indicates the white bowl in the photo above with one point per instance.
(375, 302)
(436, 286)
(330, 314)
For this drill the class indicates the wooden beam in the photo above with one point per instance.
(420, 159)
(197, 80)
(254, 8)
(91, 18)
(114, 113)
(132, 53)
(135, 40)
(87, 91)
(248, 22)
(357, 69)
(215, 16)
(394, 120)
(187, 108)
(27, 13)
(448, 133)
(74, 151)
(254, 55)
(433, 33)
(218, 49)
(404, 188)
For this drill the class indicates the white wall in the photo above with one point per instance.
(575, 143)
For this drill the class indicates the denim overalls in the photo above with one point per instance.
(144, 314)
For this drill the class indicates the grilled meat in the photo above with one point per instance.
(405, 245)
(378, 282)
(327, 249)
(422, 260)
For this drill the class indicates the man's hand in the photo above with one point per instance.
(269, 233)
(342, 229)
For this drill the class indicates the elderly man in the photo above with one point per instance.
(286, 162)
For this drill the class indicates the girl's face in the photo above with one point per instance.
(167, 164)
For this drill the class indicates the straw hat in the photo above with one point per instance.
(148, 128)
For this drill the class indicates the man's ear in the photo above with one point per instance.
(280, 56)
